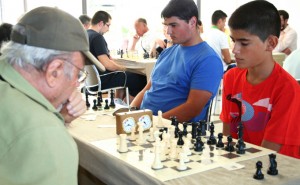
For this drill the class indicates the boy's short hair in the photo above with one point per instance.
(100, 16)
(218, 14)
(183, 9)
(258, 17)
(284, 14)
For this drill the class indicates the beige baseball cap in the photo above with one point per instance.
(52, 28)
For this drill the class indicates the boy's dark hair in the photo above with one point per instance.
(84, 19)
(218, 14)
(284, 14)
(183, 9)
(100, 16)
(5, 32)
(258, 17)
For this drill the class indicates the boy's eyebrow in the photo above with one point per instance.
(171, 23)
(240, 39)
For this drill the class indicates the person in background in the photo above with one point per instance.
(259, 93)
(217, 39)
(161, 44)
(187, 75)
(200, 26)
(288, 36)
(40, 71)
(100, 24)
(292, 64)
(85, 21)
(5, 31)
(143, 41)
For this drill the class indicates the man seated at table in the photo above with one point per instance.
(114, 75)
(186, 76)
(40, 70)
(258, 92)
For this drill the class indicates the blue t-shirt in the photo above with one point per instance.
(178, 70)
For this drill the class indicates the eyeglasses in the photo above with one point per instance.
(108, 25)
(82, 75)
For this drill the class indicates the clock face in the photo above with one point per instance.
(128, 124)
(146, 120)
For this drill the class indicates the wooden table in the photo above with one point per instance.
(140, 66)
(111, 170)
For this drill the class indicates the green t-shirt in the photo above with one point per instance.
(35, 147)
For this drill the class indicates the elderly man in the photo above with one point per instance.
(40, 70)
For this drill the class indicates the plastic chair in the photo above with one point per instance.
(93, 83)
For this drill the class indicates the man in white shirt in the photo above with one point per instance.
(217, 39)
(288, 36)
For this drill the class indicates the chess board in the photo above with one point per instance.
(142, 157)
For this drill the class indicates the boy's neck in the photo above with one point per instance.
(260, 73)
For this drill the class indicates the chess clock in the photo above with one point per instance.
(126, 120)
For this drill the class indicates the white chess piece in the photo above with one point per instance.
(159, 121)
(132, 134)
(162, 151)
(123, 144)
(157, 162)
(181, 166)
(186, 150)
(171, 131)
(141, 139)
(173, 149)
(189, 138)
(151, 137)
(186, 146)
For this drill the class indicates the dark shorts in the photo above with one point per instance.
(134, 82)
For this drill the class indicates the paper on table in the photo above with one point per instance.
(106, 126)
(233, 166)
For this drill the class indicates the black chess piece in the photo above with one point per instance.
(112, 98)
(180, 141)
(185, 124)
(203, 125)
(212, 139)
(194, 129)
(220, 143)
(174, 120)
(258, 174)
(176, 129)
(241, 147)
(100, 96)
(95, 105)
(199, 131)
(198, 146)
(106, 105)
(229, 147)
(87, 103)
(273, 165)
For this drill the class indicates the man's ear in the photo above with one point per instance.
(54, 71)
(272, 42)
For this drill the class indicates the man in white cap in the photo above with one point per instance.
(40, 70)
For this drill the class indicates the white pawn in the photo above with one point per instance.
(182, 166)
(123, 144)
(141, 133)
(162, 151)
(171, 131)
(157, 162)
(151, 137)
(159, 121)
(173, 149)
(132, 134)
(189, 140)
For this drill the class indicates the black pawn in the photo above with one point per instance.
(220, 143)
(258, 174)
(198, 146)
(273, 165)
(194, 129)
(229, 147)
(95, 105)
(106, 105)
(203, 126)
(180, 141)
(241, 147)
(87, 103)
(112, 97)
(185, 124)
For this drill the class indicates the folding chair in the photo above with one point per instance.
(93, 83)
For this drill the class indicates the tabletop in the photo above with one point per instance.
(111, 170)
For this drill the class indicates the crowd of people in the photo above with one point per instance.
(42, 65)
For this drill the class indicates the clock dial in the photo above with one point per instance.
(146, 120)
(127, 124)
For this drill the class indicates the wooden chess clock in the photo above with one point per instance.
(126, 120)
